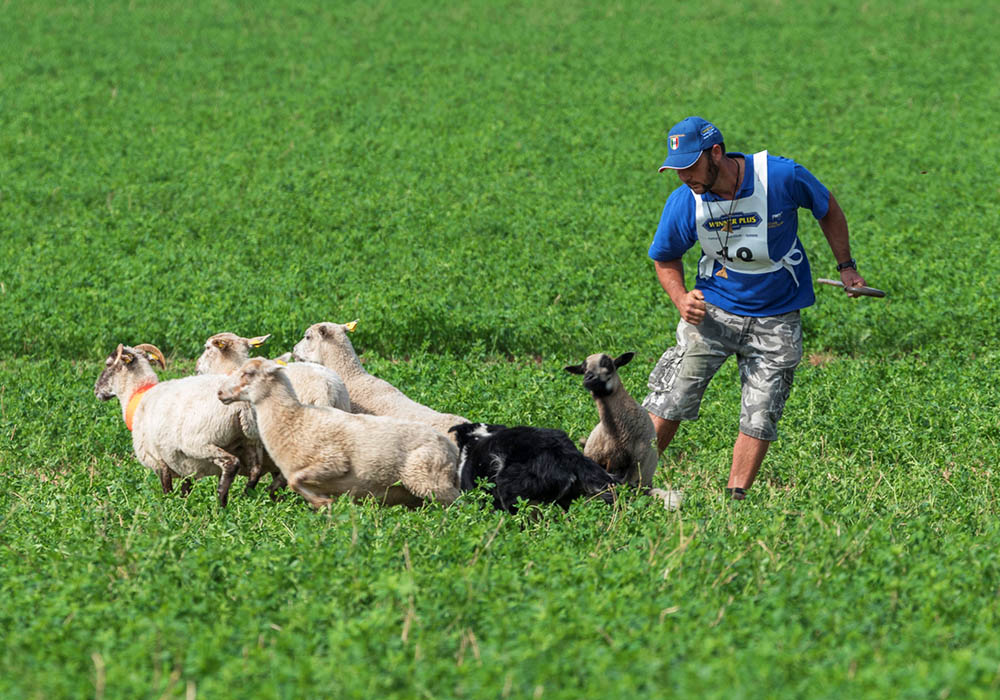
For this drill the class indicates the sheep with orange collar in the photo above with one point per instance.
(179, 428)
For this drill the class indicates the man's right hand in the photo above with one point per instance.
(692, 307)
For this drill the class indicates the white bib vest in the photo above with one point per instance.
(745, 248)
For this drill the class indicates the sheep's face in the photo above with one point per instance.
(251, 382)
(318, 335)
(225, 352)
(112, 379)
(124, 366)
(600, 373)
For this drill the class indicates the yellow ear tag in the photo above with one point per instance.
(282, 363)
(351, 326)
(127, 359)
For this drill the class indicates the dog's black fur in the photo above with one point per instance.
(537, 464)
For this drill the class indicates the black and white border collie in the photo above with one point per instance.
(536, 464)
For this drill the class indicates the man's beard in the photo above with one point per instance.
(713, 174)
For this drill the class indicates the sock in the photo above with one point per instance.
(737, 493)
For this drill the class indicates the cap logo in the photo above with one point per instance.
(675, 142)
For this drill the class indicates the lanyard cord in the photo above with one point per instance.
(727, 225)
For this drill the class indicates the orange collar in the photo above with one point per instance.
(133, 403)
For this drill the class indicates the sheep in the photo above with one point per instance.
(623, 440)
(178, 426)
(537, 464)
(328, 345)
(324, 452)
(313, 383)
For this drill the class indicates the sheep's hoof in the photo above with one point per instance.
(252, 480)
(166, 482)
(277, 484)
(671, 498)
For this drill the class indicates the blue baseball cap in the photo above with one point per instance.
(687, 140)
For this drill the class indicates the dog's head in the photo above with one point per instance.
(467, 434)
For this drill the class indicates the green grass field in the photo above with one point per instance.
(477, 183)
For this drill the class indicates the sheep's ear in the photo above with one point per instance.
(220, 343)
(153, 353)
(349, 327)
(574, 369)
(258, 341)
(624, 359)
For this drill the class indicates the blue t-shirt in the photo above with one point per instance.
(789, 186)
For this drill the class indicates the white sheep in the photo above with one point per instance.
(314, 384)
(179, 429)
(328, 345)
(324, 452)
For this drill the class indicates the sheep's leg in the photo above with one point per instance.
(166, 479)
(647, 467)
(278, 482)
(186, 487)
(226, 480)
(167, 475)
(229, 464)
(255, 461)
(311, 476)
(316, 500)
(430, 474)
(253, 478)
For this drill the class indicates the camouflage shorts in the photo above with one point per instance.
(767, 350)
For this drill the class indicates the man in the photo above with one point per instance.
(753, 277)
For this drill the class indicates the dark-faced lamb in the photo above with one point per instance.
(623, 441)
(179, 428)
(540, 465)
(328, 345)
(324, 452)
